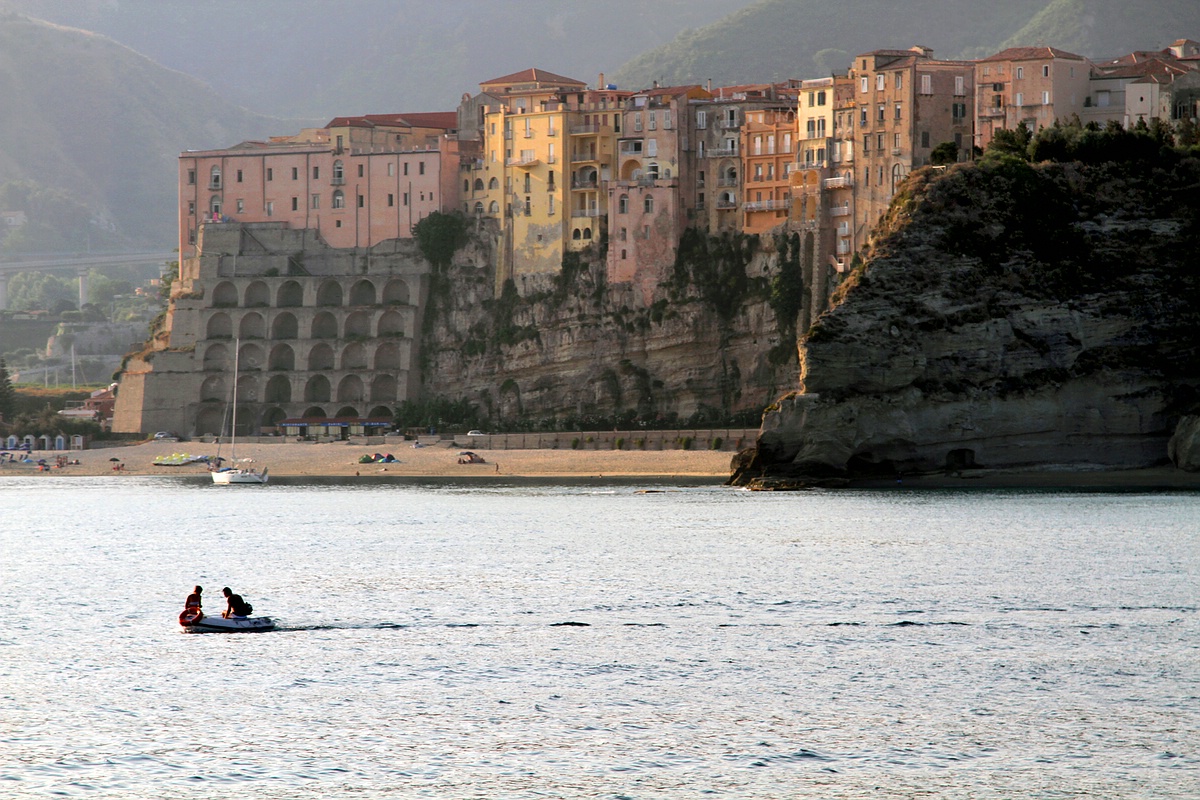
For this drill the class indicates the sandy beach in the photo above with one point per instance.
(341, 459)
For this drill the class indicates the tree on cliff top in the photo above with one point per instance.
(439, 236)
(8, 399)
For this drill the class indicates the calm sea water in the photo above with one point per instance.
(591, 641)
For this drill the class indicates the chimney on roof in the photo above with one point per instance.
(656, 83)
(601, 84)
(709, 86)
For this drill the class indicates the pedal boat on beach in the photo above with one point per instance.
(194, 620)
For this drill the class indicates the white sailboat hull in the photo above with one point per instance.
(236, 475)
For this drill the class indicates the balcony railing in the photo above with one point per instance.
(725, 205)
(631, 151)
(582, 130)
(522, 161)
(722, 152)
(580, 157)
(337, 180)
(728, 182)
(839, 211)
(588, 212)
(837, 183)
(728, 124)
(576, 184)
(765, 205)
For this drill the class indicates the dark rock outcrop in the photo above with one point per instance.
(1007, 315)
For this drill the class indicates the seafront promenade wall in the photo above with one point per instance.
(728, 439)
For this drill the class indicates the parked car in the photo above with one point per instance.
(166, 436)
(476, 433)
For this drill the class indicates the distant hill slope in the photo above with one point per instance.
(779, 39)
(84, 114)
(321, 58)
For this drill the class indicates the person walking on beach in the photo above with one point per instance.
(237, 606)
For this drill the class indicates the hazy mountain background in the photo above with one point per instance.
(91, 124)
(324, 58)
(778, 39)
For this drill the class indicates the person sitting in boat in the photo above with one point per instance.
(193, 600)
(237, 606)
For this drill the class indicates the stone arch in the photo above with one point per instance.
(395, 293)
(290, 295)
(220, 326)
(383, 389)
(358, 325)
(351, 390)
(285, 326)
(213, 389)
(258, 295)
(216, 358)
(348, 411)
(478, 208)
(631, 170)
(251, 358)
(391, 324)
(320, 358)
(494, 206)
(247, 389)
(587, 234)
(279, 389)
(387, 356)
(252, 326)
(314, 412)
(493, 184)
(354, 357)
(316, 390)
(208, 421)
(381, 412)
(247, 425)
(329, 293)
(362, 293)
(282, 357)
(225, 295)
(324, 326)
(479, 184)
(273, 416)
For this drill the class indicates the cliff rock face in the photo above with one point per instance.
(1007, 315)
(572, 345)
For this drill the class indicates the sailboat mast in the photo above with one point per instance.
(237, 346)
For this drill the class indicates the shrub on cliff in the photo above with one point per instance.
(439, 236)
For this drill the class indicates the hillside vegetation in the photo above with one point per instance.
(87, 117)
(779, 39)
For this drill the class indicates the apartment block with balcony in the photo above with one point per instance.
(646, 207)
(1033, 85)
(1143, 86)
(908, 103)
(354, 183)
(768, 144)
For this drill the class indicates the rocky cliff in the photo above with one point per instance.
(572, 349)
(1007, 314)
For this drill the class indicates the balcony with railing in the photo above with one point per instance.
(728, 124)
(840, 182)
(726, 205)
(765, 205)
(839, 211)
(722, 152)
(588, 129)
(579, 158)
(522, 161)
(588, 212)
(583, 184)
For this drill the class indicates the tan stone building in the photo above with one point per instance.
(906, 103)
(326, 335)
(1033, 85)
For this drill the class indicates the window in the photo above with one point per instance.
(550, 181)
(550, 205)
(191, 177)
(391, 200)
(316, 173)
(821, 97)
(1020, 98)
(1020, 73)
(879, 81)
(882, 112)
(898, 113)
(406, 166)
(391, 170)
(360, 170)
(270, 208)
(960, 85)
(899, 80)
(528, 206)
(758, 145)
(295, 173)
(420, 167)
(896, 140)
(926, 84)
(866, 143)
(960, 111)
(405, 198)
(1045, 98)
(648, 204)
(295, 204)
(270, 174)
(339, 199)
(652, 147)
(339, 172)
(191, 208)
(863, 84)
(701, 120)
(214, 178)
(821, 128)
(653, 121)
(241, 205)
(239, 176)
(315, 201)
(787, 143)
(493, 184)
(1045, 70)
(624, 236)
(360, 201)
(863, 116)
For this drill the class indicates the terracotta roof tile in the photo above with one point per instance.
(533, 75)
(1032, 53)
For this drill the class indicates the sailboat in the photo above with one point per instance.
(225, 476)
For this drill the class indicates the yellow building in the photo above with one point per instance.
(548, 151)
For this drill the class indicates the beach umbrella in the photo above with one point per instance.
(117, 459)
(465, 453)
